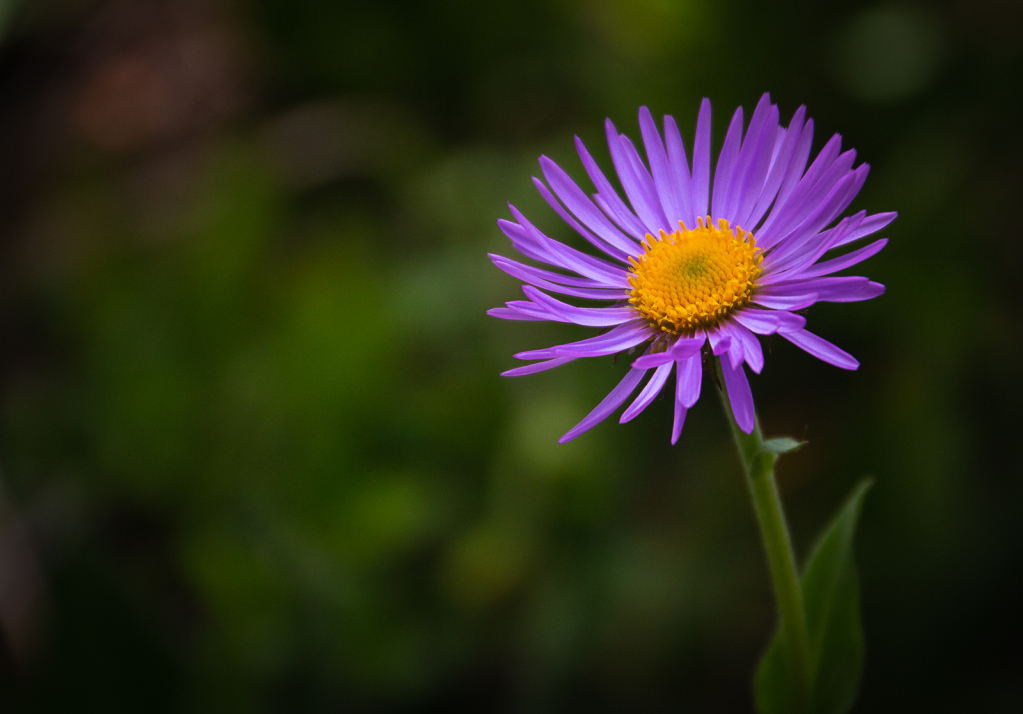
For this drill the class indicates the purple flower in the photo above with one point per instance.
(699, 265)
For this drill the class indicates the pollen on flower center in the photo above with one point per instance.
(693, 278)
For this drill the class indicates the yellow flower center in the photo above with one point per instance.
(693, 278)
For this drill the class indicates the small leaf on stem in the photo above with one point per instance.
(781, 445)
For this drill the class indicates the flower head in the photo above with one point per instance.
(697, 266)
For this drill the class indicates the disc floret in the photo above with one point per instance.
(692, 278)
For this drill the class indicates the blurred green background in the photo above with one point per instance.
(255, 454)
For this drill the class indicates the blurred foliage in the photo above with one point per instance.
(255, 453)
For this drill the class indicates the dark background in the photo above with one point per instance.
(255, 454)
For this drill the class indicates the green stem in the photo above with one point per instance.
(759, 467)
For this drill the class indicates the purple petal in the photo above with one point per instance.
(680, 419)
(524, 243)
(690, 375)
(532, 311)
(587, 316)
(623, 220)
(805, 205)
(742, 161)
(825, 159)
(680, 169)
(664, 177)
(828, 198)
(826, 288)
(755, 175)
(682, 348)
(649, 393)
(834, 203)
(507, 313)
(764, 322)
(726, 164)
(779, 140)
(719, 341)
(593, 240)
(779, 167)
(752, 352)
(638, 185)
(607, 199)
(639, 173)
(507, 264)
(730, 191)
(845, 261)
(753, 162)
(586, 293)
(701, 161)
(563, 256)
(842, 289)
(734, 348)
(871, 224)
(687, 346)
(537, 367)
(767, 322)
(611, 402)
(868, 292)
(821, 349)
(650, 361)
(739, 396)
(582, 207)
(803, 197)
(784, 302)
(736, 352)
(787, 321)
(616, 340)
(797, 163)
(590, 293)
(802, 254)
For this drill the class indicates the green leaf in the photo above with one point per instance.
(781, 445)
(832, 605)
(771, 684)
(832, 601)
